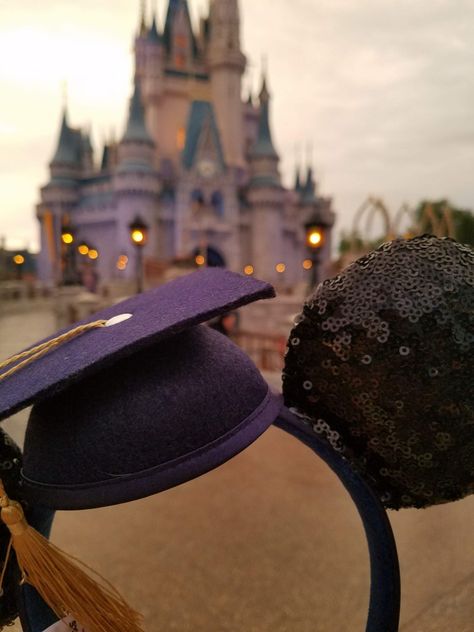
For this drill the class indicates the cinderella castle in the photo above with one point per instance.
(196, 162)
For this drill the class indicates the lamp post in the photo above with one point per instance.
(139, 236)
(69, 272)
(315, 231)
(19, 261)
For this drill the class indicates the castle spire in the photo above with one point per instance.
(308, 189)
(66, 150)
(175, 9)
(153, 35)
(297, 185)
(136, 128)
(263, 146)
(142, 29)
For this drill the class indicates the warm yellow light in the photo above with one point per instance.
(122, 262)
(19, 259)
(315, 237)
(83, 249)
(137, 236)
(200, 260)
(180, 138)
(67, 238)
(248, 270)
(93, 254)
(280, 267)
(307, 264)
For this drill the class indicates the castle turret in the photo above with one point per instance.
(58, 198)
(152, 84)
(66, 162)
(266, 196)
(308, 188)
(178, 37)
(87, 154)
(297, 186)
(136, 146)
(136, 181)
(226, 65)
(263, 156)
(141, 45)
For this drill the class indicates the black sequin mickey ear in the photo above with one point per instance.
(382, 362)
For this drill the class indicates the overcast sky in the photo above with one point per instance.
(383, 90)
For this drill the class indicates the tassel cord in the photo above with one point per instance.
(30, 355)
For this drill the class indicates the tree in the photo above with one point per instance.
(442, 217)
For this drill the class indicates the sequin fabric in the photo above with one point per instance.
(381, 364)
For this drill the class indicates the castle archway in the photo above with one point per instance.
(214, 258)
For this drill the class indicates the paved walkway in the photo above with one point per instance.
(267, 542)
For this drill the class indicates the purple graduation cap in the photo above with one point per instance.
(136, 399)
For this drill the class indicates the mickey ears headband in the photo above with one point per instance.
(374, 308)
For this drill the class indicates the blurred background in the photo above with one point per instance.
(143, 140)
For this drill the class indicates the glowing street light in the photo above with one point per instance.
(67, 235)
(200, 260)
(69, 272)
(83, 249)
(19, 260)
(139, 236)
(315, 231)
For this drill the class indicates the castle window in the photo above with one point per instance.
(217, 202)
(197, 199)
(180, 41)
(180, 138)
(180, 49)
(180, 60)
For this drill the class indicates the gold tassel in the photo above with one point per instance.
(62, 583)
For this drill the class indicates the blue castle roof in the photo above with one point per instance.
(173, 7)
(68, 150)
(308, 189)
(153, 36)
(201, 114)
(136, 128)
(263, 146)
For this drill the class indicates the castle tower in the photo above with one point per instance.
(58, 198)
(136, 182)
(66, 162)
(226, 65)
(87, 154)
(266, 197)
(140, 45)
(152, 83)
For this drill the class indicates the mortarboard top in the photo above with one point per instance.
(155, 315)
